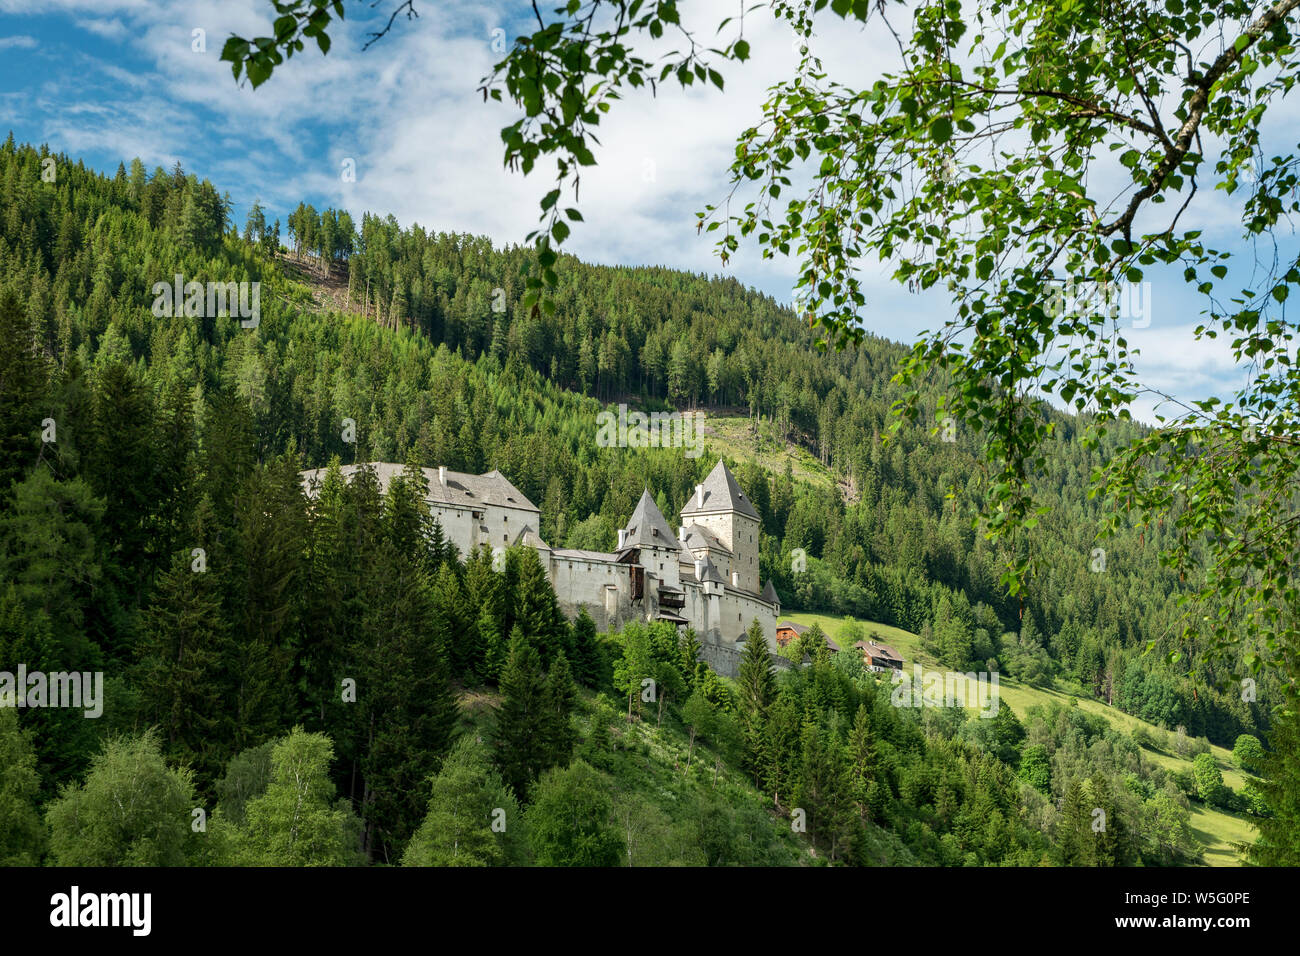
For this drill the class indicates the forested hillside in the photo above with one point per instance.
(153, 527)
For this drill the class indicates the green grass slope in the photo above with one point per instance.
(675, 805)
(1215, 828)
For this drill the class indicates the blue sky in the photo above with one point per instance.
(107, 80)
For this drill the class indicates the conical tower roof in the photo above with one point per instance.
(721, 492)
(647, 527)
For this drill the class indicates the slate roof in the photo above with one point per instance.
(579, 554)
(527, 536)
(721, 493)
(701, 537)
(769, 593)
(492, 488)
(712, 574)
(647, 527)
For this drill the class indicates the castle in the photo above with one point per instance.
(705, 576)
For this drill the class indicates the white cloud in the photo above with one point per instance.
(427, 149)
(110, 29)
(19, 42)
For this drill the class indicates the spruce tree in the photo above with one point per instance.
(406, 709)
(455, 633)
(536, 610)
(755, 679)
(1111, 845)
(556, 726)
(407, 522)
(1074, 841)
(268, 562)
(330, 582)
(586, 651)
(493, 645)
(861, 761)
(23, 374)
(120, 466)
(1278, 843)
(180, 690)
(520, 750)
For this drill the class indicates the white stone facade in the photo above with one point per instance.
(706, 576)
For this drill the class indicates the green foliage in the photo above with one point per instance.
(755, 680)
(205, 425)
(473, 818)
(247, 777)
(522, 753)
(181, 652)
(296, 821)
(1035, 769)
(1279, 832)
(569, 820)
(22, 832)
(132, 810)
(1248, 753)
(1208, 778)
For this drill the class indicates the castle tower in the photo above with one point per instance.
(724, 513)
(651, 543)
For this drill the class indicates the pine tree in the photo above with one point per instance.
(457, 637)
(180, 687)
(120, 465)
(23, 376)
(586, 652)
(406, 516)
(331, 611)
(689, 649)
(861, 762)
(406, 710)
(810, 788)
(755, 680)
(255, 227)
(1074, 838)
(520, 751)
(268, 561)
(1111, 846)
(536, 610)
(493, 644)
(1279, 832)
(556, 724)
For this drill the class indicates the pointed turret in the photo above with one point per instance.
(647, 528)
(720, 522)
(719, 492)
